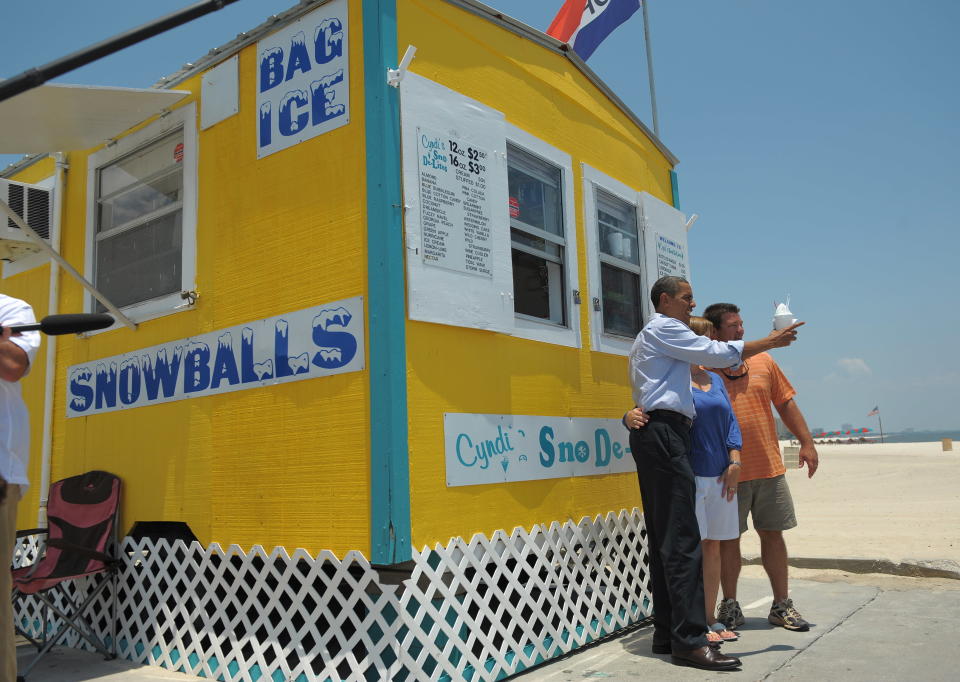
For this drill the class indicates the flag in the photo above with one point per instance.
(585, 23)
(874, 411)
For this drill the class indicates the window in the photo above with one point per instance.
(615, 261)
(620, 287)
(142, 217)
(139, 224)
(537, 237)
(632, 238)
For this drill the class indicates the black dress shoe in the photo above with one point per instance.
(705, 658)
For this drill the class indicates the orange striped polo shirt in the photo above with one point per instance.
(752, 397)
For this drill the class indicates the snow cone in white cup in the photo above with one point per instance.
(782, 317)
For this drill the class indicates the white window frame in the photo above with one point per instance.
(594, 180)
(532, 328)
(186, 118)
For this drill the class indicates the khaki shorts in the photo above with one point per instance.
(769, 501)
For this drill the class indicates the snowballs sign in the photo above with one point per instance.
(303, 79)
(305, 344)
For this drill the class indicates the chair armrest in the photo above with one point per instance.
(79, 550)
(31, 531)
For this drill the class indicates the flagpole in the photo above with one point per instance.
(653, 90)
(881, 427)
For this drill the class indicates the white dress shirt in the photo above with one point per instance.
(660, 362)
(14, 420)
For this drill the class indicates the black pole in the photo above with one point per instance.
(881, 427)
(39, 75)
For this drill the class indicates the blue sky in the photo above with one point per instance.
(818, 141)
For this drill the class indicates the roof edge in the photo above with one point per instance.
(242, 40)
(541, 38)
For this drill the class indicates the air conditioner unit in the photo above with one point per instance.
(33, 204)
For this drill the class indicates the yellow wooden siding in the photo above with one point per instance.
(463, 370)
(282, 465)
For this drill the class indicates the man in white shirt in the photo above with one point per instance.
(16, 355)
(660, 362)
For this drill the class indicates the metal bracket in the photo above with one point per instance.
(394, 76)
(190, 297)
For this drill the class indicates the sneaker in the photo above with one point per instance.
(730, 614)
(786, 616)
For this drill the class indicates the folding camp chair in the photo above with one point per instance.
(82, 521)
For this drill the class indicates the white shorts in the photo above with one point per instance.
(718, 518)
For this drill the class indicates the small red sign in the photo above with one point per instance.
(178, 153)
(514, 207)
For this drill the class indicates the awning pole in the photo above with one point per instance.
(50, 251)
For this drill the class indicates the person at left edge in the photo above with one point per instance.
(17, 353)
(659, 367)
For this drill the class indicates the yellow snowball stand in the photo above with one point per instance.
(376, 353)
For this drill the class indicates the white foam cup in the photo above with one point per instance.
(783, 320)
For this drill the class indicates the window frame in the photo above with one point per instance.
(594, 181)
(534, 328)
(184, 118)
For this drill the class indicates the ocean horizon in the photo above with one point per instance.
(901, 436)
(916, 436)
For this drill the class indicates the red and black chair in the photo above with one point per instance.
(81, 533)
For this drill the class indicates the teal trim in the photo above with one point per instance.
(675, 189)
(386, 310)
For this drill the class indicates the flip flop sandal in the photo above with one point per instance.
(725, 635)
(713, 638)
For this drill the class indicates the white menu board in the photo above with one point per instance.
(456, 209)
(671, 256)
(454, 203)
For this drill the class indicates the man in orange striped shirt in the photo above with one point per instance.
(763, 492)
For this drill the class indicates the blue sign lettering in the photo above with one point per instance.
(328, 340)
(196, 368)
(547, 453)
(225, 363)
(161, 372)
(271, 68)
(328, 40)
(129, 379)
(81, 390)
(316, 93)
(299, 58)
(602, 439)
(106, 385)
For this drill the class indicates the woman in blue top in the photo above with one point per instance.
(715, 460)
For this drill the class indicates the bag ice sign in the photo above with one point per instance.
(303, 75)
(305, 344)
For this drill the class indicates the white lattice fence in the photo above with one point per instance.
(479, 610)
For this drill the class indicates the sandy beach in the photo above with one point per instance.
(897, 502)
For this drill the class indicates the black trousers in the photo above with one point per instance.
(668, 488)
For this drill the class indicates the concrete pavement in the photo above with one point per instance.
(864, 628)
(72, 665)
